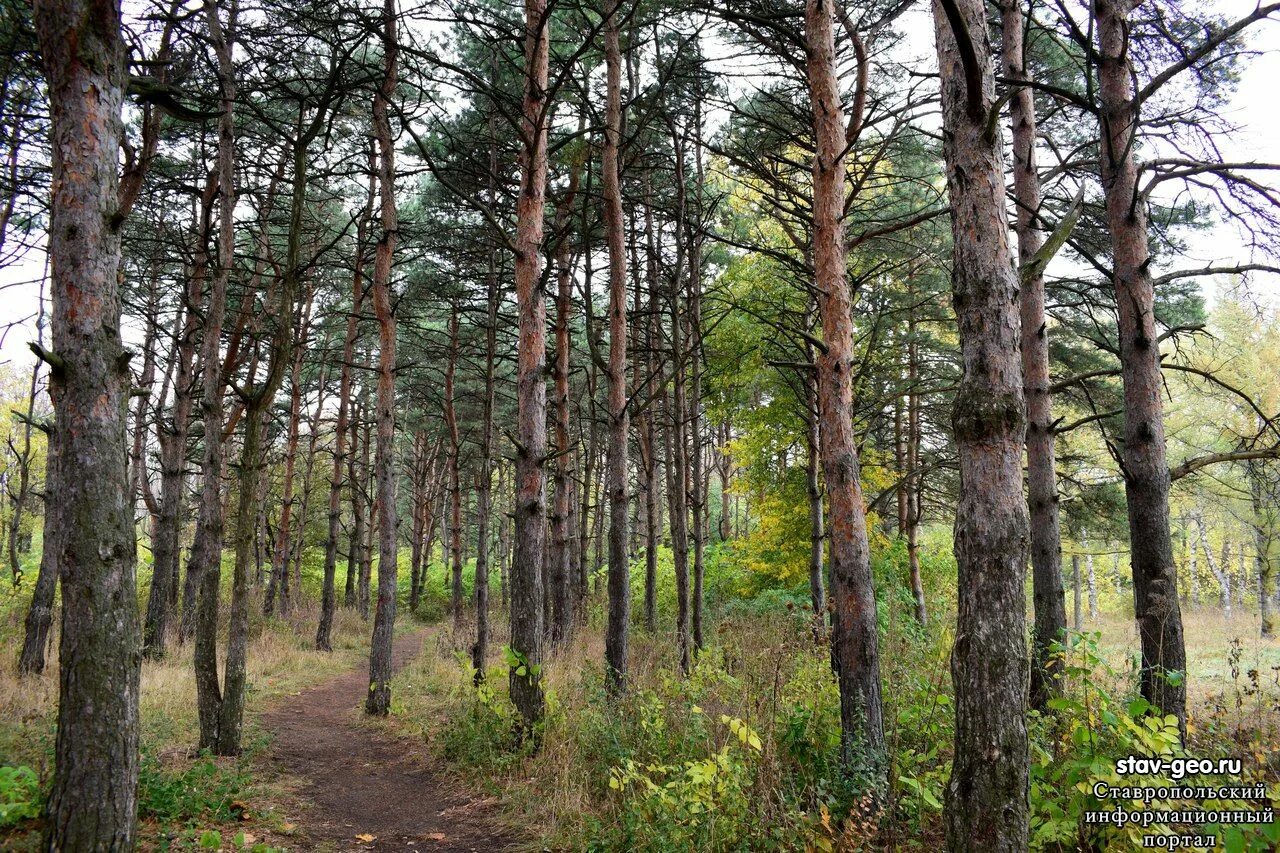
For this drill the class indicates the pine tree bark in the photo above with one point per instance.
(588, 509)
(675, 445)
(653, 489)
(484, 479)
(378, 702)
(1146, 470)
(853, 616)
(94, 796)
(615, 642)
(697, 482)
(204, 567)
(525, 677)
(1042, 483)
(986, 805)
(560, 554)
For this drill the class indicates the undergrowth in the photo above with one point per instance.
(744, 752)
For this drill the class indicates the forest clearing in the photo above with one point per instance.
(797, 425)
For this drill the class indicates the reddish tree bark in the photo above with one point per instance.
(379, 699)
(853, 635)
(94, 795)
(531, 390)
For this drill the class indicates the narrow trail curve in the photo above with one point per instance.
(358, 780)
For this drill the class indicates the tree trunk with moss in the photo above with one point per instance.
(986, 806)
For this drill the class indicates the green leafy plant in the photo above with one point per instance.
(19, 794)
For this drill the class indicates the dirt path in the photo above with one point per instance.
(360, 780)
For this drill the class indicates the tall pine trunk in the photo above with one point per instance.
(560, 551)
(484, 477)
(853, 630)
(455, 480)
(525, 678)
(1042, 484)
(378, 701)
(1146, 470)
(94, 795)
(615, 642)
(986, 805)
(204, 568)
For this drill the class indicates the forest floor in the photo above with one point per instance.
(364, 786)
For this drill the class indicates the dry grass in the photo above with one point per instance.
(552, 796)
(1233, 679)
(1212, 642)
(281, 660)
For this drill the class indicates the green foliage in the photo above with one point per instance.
(702, 803)
(207, 790)
(776, 552)
(20, 797)
(677, 776)
(486, 732)
(1076, 746)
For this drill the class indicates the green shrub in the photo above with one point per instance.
(205, 791)
(20, 797)
(1076, 746)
